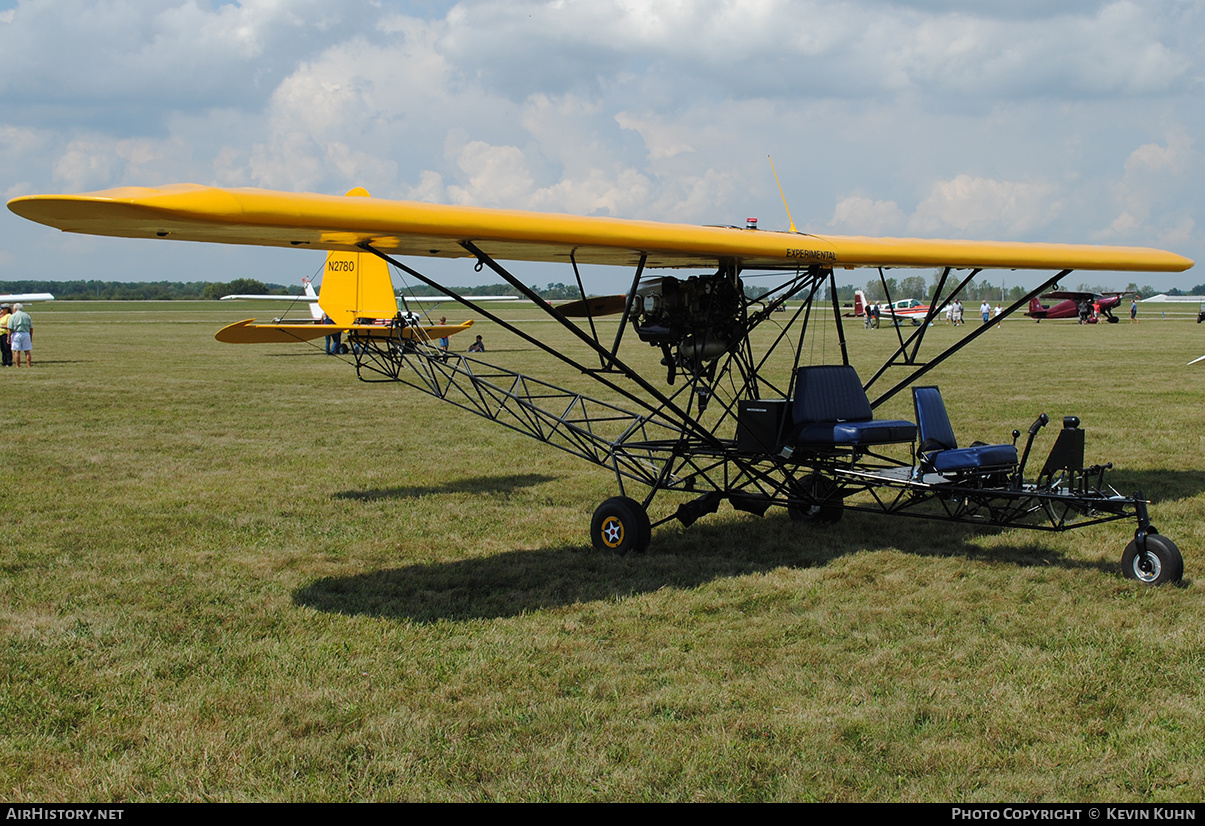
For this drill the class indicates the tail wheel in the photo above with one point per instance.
(1161, 564)
(621, 525)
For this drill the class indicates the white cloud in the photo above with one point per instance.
(497, 176)
(1150, 196)
(85, 165)
(970, 205)
(663, 140)
(866, 216)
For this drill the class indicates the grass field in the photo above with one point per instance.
(237, 573)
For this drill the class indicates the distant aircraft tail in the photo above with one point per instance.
(1035, 308)
(859, 304)
(356, 285)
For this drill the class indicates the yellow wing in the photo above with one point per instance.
(261, 217)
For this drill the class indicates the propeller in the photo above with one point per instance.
(596, 306)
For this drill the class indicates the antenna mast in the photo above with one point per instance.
(784, 197)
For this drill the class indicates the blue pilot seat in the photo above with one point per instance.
(939, 451)
(830, 409)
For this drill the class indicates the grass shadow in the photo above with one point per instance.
(478, 484)
(37, 362)
(508, 584)
(1158, 485)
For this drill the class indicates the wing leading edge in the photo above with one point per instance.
(265, 218)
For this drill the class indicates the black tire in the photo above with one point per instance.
(828, 511)
(621, 525)
(1164, 563)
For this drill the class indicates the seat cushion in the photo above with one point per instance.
(973, 458)
(873, 432)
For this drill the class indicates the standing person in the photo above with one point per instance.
(985, 310)
(335, 340)
(6, 347)
(957, 316)
(1134, 310)
(443, 340)
(20, 328)
(996, 314)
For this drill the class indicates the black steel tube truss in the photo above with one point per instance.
(664, 406)
(666, 447)
(633, 445)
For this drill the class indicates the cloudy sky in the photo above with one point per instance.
(1076, 121)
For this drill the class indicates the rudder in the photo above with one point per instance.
(356, 285)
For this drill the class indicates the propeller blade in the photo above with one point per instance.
(596, 306)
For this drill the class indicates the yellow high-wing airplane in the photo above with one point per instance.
(757, 429)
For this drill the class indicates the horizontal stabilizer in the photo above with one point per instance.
(248, 332)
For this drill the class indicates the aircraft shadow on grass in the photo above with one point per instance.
(1158, 485)
(508, 584)
(479, 484)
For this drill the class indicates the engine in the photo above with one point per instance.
(693, 321)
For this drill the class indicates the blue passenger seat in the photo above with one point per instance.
(830, 409)
(939, 451)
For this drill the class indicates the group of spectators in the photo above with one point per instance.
(16, 335)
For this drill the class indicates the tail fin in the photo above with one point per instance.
(1035, 308)
(356, 285)
(311, 296)
(859, 304)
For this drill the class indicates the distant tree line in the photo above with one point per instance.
(144, 290)
(423, 290)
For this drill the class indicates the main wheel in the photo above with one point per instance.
(1163, 562)
(620, 525)
(819, 487)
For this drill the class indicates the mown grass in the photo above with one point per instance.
(237, 573)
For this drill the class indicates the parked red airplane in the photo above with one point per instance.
(1088, 307)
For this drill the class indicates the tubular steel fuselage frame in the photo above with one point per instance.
(666, 446)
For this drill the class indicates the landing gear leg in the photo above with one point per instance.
(1149, 557)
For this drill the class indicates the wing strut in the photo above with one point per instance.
(581, 290)
(627, 307)
(832, 289)
(1023, 301)
(918, 335)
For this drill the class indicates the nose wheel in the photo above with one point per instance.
(621, 525)
(1160, 565)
